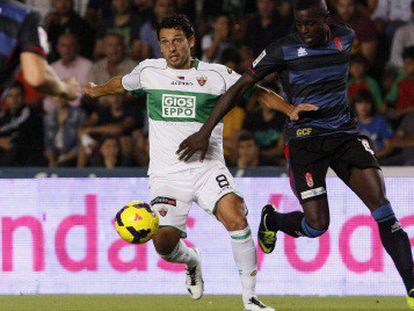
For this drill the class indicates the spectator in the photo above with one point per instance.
(70, 65)
(234, 119)
(61, 126)
(366, 32)
(97, 12)
(109, 153)
(115, 118)
(143, 8)
(372, 124)
(188, 8)
(404, 140)
(404, 37)
(124, 22)
(214, 43)
(247, 151)
(265, 26)
(402, 93)
(391, 14)
(148, 34)
(361, 81)
(20, 131)
(115, 62)
(64, 19)
(267, 127)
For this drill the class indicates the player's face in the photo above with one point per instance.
(311, 25)
(176, 47)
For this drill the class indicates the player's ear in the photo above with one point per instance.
(191, 41)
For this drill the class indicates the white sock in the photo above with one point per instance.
(244, 253)
(182, 254)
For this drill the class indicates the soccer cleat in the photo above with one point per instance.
(267, 238)
(410, 299)
(194, 279)
(254, 304)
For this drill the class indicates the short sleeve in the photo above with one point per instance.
(228, 75)
(269, 61)
(132, 81)
(33, 38)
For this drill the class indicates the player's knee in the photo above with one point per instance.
(164, 244)
(237, 223)
(320, 223)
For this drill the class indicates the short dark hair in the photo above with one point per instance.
(312, 4)
(180, 22)
(408, 52)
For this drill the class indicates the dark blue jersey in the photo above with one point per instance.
(313, 75)
(19, 32)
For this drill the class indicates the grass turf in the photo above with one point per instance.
(184, 303)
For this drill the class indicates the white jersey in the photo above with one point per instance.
(178, 103)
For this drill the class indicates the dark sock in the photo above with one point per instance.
(290, 223)
(396, 243)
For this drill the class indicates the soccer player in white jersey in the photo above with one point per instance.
(181, 93)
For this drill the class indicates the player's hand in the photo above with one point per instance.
(72, 89)
(193, 143)
(89, 89)
(294, 114)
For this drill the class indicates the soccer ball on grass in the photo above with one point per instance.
(136, 222)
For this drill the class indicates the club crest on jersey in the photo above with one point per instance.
(202, 80)
(163, 211)
(309, 180)
(302, 52)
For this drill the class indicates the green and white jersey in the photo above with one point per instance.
(178, 103)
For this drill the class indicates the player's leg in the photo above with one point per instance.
(216, 195)
(368, 184)
(170, 247)
(171, 198)
(231, 213)
(359, 169)
(307, 168)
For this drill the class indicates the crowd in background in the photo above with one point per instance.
(105, 38)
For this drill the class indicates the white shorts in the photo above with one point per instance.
(172, 195)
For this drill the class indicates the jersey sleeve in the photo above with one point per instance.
(229, 76)
(33, 38)
(132, 81)
(269, 61)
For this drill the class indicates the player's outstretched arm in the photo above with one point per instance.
(276, 102)
(199, 140)
(41, 76)
(111, 87)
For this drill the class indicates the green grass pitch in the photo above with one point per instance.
(184, 303)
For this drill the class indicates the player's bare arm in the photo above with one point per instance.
(199, 140)
(41, 76)
(276, 102)
(111, 87)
